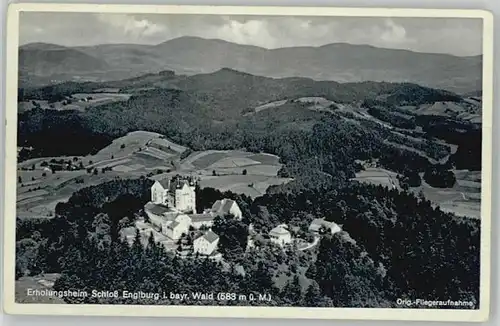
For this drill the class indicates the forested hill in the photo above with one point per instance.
(44, 63)
(229, 92)
(219, 111)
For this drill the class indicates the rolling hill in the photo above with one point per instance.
(192, 55)
(218, 111)
(227, 92)
(53, 62)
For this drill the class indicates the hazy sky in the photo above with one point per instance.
(440, 35)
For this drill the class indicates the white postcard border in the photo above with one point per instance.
(11, 307)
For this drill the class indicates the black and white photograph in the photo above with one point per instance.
(192, 159)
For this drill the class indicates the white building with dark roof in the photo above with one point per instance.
(176, 228)
(226, 207)
(280, 235)
(199, 220)
(317, 225)
(206, 244)
(177, 193)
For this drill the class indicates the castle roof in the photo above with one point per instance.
(165, 183)
(178, 184)
(175, 183)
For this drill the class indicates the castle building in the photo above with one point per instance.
(172, 214)
(177, 193)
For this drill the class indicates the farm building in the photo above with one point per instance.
(280, 235)
(317, 225)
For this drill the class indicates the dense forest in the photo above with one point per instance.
(394, 245)
(316, 147)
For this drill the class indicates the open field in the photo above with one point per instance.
(227, 159)
(463, 199)
(315, 104)
(156, 153)
(469, 111)
(166, 145)
(236, 171)
(39, 200)
(126, 145)
(270, 105)
(79, 101)
(250, 185)
(378, 176)
(268, 170)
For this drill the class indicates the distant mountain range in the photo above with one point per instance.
(42, 64)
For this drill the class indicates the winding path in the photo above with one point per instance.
(311, 245)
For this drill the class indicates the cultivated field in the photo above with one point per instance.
(237, 171)
(138, 154)
(79, 101)
(39, 190)
(463, 199)
(378, 176)
(38, 198)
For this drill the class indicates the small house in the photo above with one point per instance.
(280, 235)
(206, 244)
(318, 225)
(226, 207)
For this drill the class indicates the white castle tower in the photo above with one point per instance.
(177, 193)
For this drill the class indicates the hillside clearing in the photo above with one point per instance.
(78, 101)
(463, 199)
